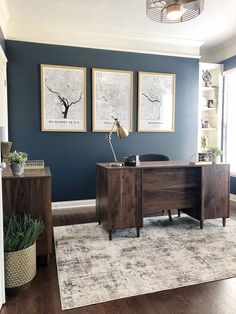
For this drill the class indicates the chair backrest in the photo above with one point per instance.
(153, 157)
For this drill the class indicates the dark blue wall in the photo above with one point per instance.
(72, 156)
(229, 64)
(2, 40)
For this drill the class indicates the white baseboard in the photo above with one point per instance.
(73, 204)
(92, 202)
(233, 197)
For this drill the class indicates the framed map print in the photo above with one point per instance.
(156, 102)
(112, 98)
(63, 98)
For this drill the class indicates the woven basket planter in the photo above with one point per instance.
(20, 267)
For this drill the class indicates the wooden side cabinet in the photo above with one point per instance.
(118, 198)
(30, 193)
(215, 192)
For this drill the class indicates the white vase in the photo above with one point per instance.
(215, 159)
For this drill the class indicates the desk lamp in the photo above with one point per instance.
(121, 133)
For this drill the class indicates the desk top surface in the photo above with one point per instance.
(155, 164)
(35, 173)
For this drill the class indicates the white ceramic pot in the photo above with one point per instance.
(215, 159)
(17, 169)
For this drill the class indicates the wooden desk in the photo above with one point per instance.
(30, 193)
(125, 195)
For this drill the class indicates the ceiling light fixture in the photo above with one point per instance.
(173, 11)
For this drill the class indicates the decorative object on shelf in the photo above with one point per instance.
(214, 154)
(34, 164)
(121, 133)
(207, 124)
(173, 11)
(20, 234)
(5, 150)
(156, 102)
(206, 76)
(204, 142)
(112, 97)
(17, 162)
(210, 103)
(63, 98)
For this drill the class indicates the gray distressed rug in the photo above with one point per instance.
(92, 269)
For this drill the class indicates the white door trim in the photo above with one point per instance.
(3, 137)
(2, 277)
(3, 98)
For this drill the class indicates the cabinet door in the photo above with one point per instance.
(32, 196)
(215, 191)
(124, 198)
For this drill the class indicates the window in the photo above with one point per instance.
(229, 119)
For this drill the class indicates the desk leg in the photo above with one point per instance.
(110, 235)
(178, 212)
(169, 214)
(138, 232)
(224, 221)
(201, 224)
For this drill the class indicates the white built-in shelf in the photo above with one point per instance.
(208, 129)
(210, 88)
(210, 116)
(209, 109)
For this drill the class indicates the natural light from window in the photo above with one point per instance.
(229, 124)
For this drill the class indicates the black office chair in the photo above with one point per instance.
(153, 157)
(158, 157)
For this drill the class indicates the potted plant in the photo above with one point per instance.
(214, 153)
(17, 162)
(20, 234)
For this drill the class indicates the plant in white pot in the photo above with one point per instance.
(17, 162)
(20, 234)
(214, 153)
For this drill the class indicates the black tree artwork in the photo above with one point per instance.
(63, 101)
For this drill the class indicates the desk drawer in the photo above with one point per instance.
(170, 188)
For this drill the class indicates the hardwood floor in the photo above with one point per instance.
(42, 297)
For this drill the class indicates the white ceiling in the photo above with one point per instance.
(126, 20)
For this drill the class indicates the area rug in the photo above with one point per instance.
(92, 269)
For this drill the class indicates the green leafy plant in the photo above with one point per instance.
(20, 232)
(215, 151)
(17, 157)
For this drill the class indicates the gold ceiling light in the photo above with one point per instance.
(173, 11)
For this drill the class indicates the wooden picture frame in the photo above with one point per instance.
(63, 98)
(156, 102)
(112, 92)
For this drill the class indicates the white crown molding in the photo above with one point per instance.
(4, 16)
(18, 30)
(221, 52)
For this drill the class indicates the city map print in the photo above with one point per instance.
(112, 98)
(156, 102)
